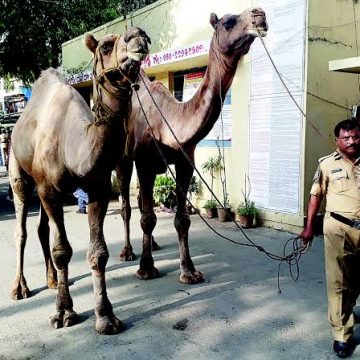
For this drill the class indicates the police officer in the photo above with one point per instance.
(337, 178)
(4, 144)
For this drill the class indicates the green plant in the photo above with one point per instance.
(8, 83)
(194, 187)
(226, 201)
(210, 204)
(164, 191)
(212, 166)
(248, 208)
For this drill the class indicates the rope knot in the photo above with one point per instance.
(135, 86)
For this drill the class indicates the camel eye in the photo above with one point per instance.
(229, 23)
(107, 48)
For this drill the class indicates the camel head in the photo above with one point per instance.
(235, 33)
(118, 57)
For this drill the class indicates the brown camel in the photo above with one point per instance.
(58, 145)
(191, 121)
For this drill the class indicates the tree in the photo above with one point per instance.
(128, 6)
(32, 31)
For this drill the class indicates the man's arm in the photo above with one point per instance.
(314, 204)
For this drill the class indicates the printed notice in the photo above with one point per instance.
(275, 121)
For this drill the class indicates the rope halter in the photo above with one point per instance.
(103, 113)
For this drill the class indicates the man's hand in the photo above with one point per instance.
(307, 236)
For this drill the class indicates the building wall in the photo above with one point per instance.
(177, 23)
(330, 33)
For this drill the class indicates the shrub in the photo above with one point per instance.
(210, 204)
(247, 208)
(164, 191)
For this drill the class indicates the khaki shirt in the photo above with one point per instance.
(338, 180)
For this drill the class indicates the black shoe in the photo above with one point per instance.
(342, 349)
(81, 211)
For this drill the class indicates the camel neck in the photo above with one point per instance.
(112, 106)
(99, 142)
(204, 108)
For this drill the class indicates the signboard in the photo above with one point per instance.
(176, 54)
(192, 82)
(159, 58)
(222, 127)
(79, 78)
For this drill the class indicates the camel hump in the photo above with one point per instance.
(52, 73)
(48, 77)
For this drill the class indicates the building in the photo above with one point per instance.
(12, 101)
(263, 131)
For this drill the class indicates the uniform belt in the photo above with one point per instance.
(353, 223)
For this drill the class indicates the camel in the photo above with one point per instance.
(58, 145)
(191, 121)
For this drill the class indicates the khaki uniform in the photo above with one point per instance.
(338, 180)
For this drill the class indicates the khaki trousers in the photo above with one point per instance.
(342, 264)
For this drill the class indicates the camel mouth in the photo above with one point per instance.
(262, 31)
(137, 55)
(259, 30)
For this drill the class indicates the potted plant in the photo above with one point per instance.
(210, 207)
(247, 212)
(164, 191)
(224, 212)
(212, 166)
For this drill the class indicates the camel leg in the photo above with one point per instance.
(154, 245)
(22, 186)
(106, 322)
(43, 233)
(188, 274)
(147, 270)
(61, 254)
(124, 172)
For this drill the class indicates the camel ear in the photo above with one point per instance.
(90, 42)
(214, 20)
(145, 35)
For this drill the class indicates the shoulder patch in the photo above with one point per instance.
(335, 171)
(325, 157)
(316, 176)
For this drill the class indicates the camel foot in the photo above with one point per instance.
(70, 318)
(127, 255)
(108, 325)
(148, 274)
(64, 319)
(154, 245)
(192, 278)
(20, 292)
(56, 321)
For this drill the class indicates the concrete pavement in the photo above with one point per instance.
(236, 314)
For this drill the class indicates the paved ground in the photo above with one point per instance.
(236, 314)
